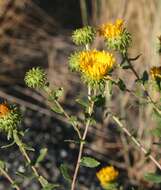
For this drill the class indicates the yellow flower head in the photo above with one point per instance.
(111, 30)
(107, 175)
(156, 72)
(95, 65)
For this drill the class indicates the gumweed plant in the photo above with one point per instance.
(95, 68)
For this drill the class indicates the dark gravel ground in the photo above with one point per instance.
(45, 131)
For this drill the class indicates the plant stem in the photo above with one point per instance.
(90, 110)
(146, 92)
(68, 118)
(6, 175)
(24, 153)
(55, 101)
(139, 145)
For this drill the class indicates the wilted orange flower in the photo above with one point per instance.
(4, 110)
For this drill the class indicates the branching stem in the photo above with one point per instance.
(146, 92)
(26, 156)
(90, 110)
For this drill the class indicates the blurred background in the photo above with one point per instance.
(38, 33)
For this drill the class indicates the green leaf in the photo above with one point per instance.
(121, 85)
(2, 164)
(89, 162)
(111, 186)
(156, 132)
(64, 171)
(55, 108)
(50, 186)
(22, 175)
(8, 145)
(82, 102)
(43, 181)
(46, 185)
(99, 100)
(126, 66)
(43, 153)
(145, 77)
(73, 120)
(152, 177)
(28, 148)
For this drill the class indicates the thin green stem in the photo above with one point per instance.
(8, 177)
(90, 110)
(68, 118)
(62, 110)
(26, 156)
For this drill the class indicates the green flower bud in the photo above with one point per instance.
(36, 78)
(10, 118)
(84, 36)
(74, 61)
(120, 43)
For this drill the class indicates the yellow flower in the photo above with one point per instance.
(156, 72)
(95, 65)
(111, 30)
(107, 175)
(4, 110)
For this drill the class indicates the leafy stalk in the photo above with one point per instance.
(142, 84)
(8, 177)
(22, 149)
(90, 110)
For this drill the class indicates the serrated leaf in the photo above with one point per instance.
(64, 171)
(43, 153)
(152, 177)
(89, 162)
